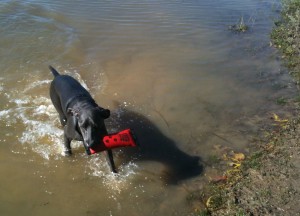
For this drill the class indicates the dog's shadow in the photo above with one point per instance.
(155, 146)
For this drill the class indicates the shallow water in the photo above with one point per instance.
(171, 71)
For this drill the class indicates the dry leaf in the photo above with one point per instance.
(234, 165)
(238, 157)
(277, 119)
(208, 201)
(218, 179)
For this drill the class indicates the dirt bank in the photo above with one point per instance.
(268, 182)
(265, 183)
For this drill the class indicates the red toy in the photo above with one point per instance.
(124, 138)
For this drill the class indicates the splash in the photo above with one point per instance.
(116, 182)
(31, 112)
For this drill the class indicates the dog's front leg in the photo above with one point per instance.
(67, 144)
(110, 160)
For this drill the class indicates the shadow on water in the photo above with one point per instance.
(155, 146)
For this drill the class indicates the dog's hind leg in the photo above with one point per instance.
(56, 102)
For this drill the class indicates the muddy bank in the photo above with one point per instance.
(266, 182)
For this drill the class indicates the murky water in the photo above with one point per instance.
(170, 70)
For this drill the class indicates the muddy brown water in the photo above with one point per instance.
(171, 70)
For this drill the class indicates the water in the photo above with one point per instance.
(170, 70)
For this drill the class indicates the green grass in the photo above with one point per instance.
(281, 101)
(203, 213)
(286, 35)
(241, 213)
(213, 159)
(254, 161)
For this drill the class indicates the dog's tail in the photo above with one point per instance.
(54, 72)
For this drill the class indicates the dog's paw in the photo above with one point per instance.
(67, 153)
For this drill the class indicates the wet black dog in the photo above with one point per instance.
(81, 117)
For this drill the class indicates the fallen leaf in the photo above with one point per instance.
(234, 165)
(219, 179)
(277, 119)
(238, 157)
(208, 201)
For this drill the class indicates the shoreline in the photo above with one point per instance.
(267, 182)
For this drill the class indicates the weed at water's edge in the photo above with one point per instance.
(281, 101)
(254, 161)
(239, 27)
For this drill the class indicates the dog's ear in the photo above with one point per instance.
(105, 113)
(72, 112)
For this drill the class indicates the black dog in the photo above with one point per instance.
(81, 117)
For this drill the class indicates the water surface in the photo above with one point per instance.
(170, 70)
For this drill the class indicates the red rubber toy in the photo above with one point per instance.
(123, 138)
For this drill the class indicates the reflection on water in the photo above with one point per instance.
(170, 70)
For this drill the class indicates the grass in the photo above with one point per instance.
(241, 213)
(211, 198)
(281, 101)
(286, 35)
(203, 213)
(297, 99)
(213, 159)
(254, 161)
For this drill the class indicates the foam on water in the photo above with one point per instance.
(113, 181)
(34, 110)
(38, 118)
(36, 84)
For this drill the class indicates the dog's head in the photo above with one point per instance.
(91, 124)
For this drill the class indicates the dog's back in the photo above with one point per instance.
(65, 88)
